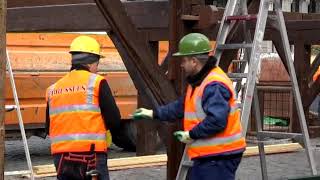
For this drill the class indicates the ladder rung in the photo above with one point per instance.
(248, 17)
(239, 61)
(281, 135)
(187, 163)
(233, 46)
(237, 75)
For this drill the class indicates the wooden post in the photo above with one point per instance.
(302, 66)
(177, 30)
(147, 139)
(3, 12)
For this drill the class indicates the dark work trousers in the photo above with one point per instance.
(102, 166)
(210, 169)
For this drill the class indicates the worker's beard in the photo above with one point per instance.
(195, 79)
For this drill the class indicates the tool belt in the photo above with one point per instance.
(75, 165)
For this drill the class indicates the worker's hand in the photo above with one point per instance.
(142, 113)
(108, 138)
(183, 136)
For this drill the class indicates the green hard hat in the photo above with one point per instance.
(192, 44)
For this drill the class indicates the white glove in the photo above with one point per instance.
(142, 113)
(183, 136)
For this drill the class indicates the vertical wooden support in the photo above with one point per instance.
(174, 148)
(302, 65)
(147, 130)
(3, 12)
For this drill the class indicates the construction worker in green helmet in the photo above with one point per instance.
(211, 118)
(80, 112)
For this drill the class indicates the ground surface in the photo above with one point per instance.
(279, 166)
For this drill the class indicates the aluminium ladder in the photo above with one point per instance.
(22, 130)
(236, 10)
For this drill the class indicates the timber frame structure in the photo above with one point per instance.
(135, 28)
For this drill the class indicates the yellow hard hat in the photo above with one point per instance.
(85, 44)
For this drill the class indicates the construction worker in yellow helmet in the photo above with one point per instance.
(80, 112)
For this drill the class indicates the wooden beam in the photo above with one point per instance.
(136, 51)
(51, 16)
(67, 17)
(56, 18)
(3, 11)
(26, 3)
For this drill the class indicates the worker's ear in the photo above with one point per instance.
(194, 60)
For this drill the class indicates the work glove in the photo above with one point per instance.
(108, 138)
(183, 136)
(142, 113)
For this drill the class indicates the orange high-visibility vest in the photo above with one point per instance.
(316, 75)
(228, 141)
(75, 118)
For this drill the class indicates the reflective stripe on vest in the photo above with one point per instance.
(74, 108)
(216, 140)
(78, 137)
(92, 80)
(201, 115)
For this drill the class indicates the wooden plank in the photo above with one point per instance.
(26, 3)
(273, 149)
(160, 160)
(154, 23)
(56, 18)
(66, 17)
(3, 12)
